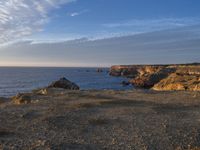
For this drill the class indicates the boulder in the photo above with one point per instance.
(64, 84)
(21, 99)
(125, 83)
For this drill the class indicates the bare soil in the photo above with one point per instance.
(118, 120)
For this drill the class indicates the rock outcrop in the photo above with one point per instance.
(125, 83)
(56, 88)
(21, 99)
(64, 84)
(49, 91)
(181, 80)
(132, 71)
(161, 77)
(146, 79)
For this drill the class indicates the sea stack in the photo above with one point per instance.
(64, 84)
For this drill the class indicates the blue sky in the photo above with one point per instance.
(78, 32)
(93, 17)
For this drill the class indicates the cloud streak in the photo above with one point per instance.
(78, 13)
(147, 25)
(19, 18)
(168, 46)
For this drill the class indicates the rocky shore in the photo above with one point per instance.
(62, 117)
(161, 77)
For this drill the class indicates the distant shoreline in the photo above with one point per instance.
(99, 66)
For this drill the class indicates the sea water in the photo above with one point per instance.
(15, 80)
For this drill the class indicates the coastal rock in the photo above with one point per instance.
(123, 71)
(161, 77)
(169, 87)
(142, 82)
(65, 84)
(177, 81)
(147, 79)
(125, 83)
(133, 71)
(42, 91)
(50, 91)
(21, 99)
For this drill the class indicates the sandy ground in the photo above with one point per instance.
(118, 120)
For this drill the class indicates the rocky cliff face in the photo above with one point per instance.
(185, 78)
(134, 70)
(161, 77)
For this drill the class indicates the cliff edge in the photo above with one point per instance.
(161, 77)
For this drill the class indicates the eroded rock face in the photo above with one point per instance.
(143, 81)
(128, 71)
(21, 99)
(147, 79)
(177, 81)
(161, 77)
(135, 70)
(64, 84)
(143, 76)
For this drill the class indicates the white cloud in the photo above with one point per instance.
(20, 18)
(146, 25)
(74, 14)
(78, 13)
(169, 46)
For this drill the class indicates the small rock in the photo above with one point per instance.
(99, 70)
(42, 91)
(21, 99)
(125, 83)
(50, 91)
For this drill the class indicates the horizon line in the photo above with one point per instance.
(107, 66)
(20, 66)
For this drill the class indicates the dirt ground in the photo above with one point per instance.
(107, 119)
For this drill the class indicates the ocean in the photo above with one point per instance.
(15, 80)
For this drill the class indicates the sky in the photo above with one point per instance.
(90, 33)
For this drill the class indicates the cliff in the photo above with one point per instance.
(161, 77)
